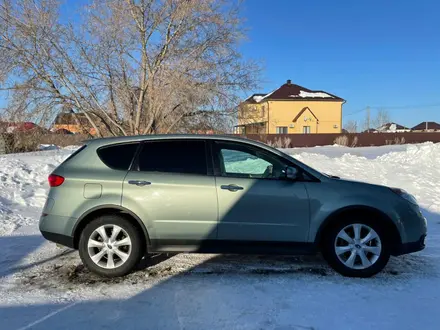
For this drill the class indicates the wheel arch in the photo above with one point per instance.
(95, 212)
(391, 229)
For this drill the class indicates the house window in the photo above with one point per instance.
(263, 109)
(306, 129)
(281, 129)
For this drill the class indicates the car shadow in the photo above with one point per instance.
(153, 260)
(14, 249)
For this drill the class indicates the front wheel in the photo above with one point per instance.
(110, 246)
(356, 248)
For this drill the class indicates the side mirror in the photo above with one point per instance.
(291, 173)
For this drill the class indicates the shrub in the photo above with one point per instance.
(6, 143)
(286, 142)
(341, 140)
(354, 142)
(277, 143)
(63, 140)
(26, 141)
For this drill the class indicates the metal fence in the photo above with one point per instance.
(349, 139)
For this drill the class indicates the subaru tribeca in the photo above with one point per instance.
(119, 199)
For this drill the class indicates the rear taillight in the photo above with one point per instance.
(55, 180)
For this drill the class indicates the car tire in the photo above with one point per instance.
(356, 247)
(111, 246)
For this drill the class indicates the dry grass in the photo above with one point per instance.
(30, 140)
(342, 140)
(354, 142)
(63, 140)
(396, 140)
(280, 142)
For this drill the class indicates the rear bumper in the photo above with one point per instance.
(410, 247)
(59, 239)
(57, 229)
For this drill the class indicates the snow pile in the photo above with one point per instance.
(305, 94)
(415, 169)
(259, 98)
(24, 186)
(44, 147)
(425, 155)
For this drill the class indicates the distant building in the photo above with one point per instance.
(427, 126)
(73, 122)
(392, 128)
(290, 109)
(10, 127)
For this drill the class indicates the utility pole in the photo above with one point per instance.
(368, 119)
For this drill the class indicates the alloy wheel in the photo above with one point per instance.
(109, 246)
(358, 246)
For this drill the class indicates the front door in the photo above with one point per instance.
(170, 190)
(255, 201)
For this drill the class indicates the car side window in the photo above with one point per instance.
(119, 156)
(237, 161)
(243, 163)
(179, 156)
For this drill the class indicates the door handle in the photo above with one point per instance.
(231, 187)
(139, 183)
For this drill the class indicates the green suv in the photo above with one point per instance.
(118, 199)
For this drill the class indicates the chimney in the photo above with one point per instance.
(289, 82)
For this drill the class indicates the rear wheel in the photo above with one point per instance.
(356, 248)
(110, 246)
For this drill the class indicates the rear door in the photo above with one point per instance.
(173, 190)
(255, 202)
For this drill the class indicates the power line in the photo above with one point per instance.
(408, 106)
(355, 112)
(420, 106)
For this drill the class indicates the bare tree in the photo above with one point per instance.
(382, 117)
(131, 66)
(351, 126)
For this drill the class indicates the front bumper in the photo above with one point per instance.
(410, 247)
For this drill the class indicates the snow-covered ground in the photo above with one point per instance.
(44, 287)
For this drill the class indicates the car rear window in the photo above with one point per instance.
(181, 156)
(118, 157)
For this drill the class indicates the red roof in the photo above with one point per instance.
(20, 126)
(293, 92)
(427, 125)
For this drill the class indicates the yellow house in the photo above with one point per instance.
(290, 109)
